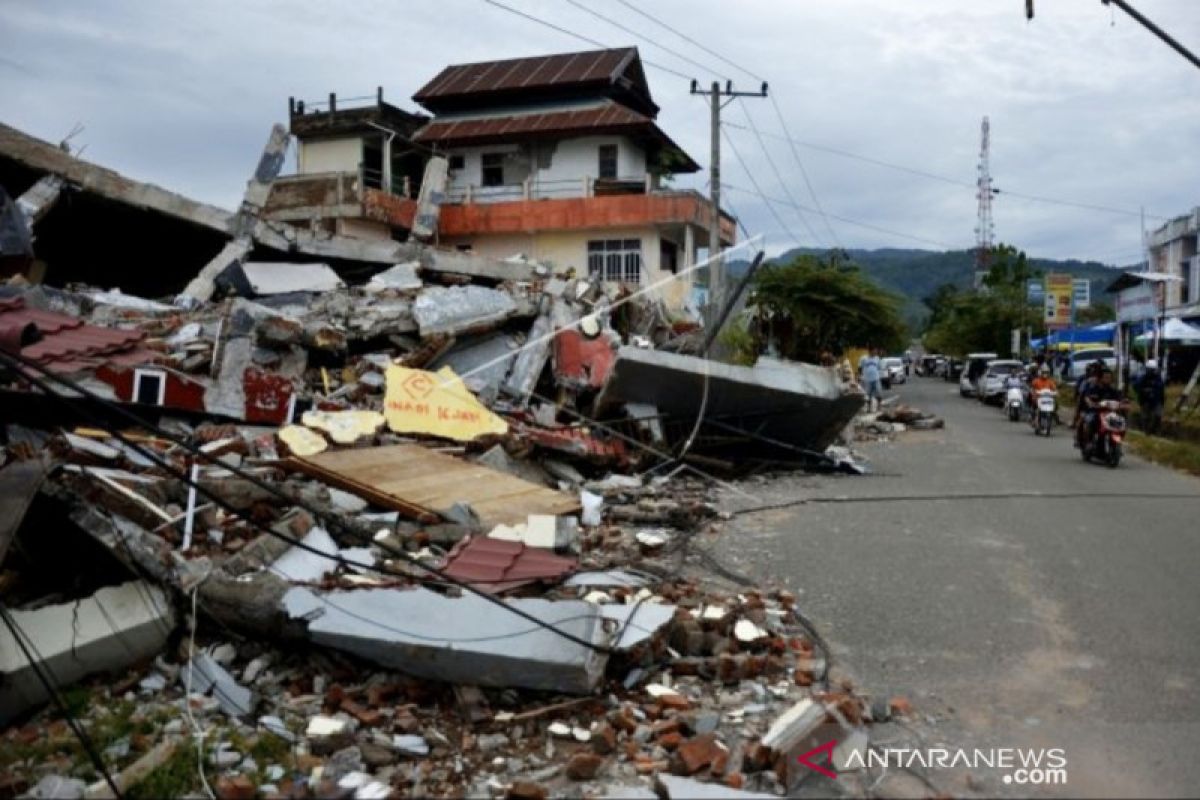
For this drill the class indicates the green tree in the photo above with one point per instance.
(1095, 314)
(815, 305)
(982, 321)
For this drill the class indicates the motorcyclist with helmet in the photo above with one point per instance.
(1095, 393)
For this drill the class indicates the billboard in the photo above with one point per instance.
(1137, 303)
(1059, 290)
(1082, 289)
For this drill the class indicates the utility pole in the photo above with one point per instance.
(716, 267)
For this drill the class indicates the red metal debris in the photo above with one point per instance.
(67, 344)
(496, 565)
(581, 362)
(576, 441)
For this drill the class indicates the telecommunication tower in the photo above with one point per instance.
(983, 226)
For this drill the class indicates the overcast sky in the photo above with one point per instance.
(1086, 106)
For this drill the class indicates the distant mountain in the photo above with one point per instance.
(916, 274)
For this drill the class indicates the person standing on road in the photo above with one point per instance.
(1151, 395)
(872, 383)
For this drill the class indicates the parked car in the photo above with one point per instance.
(952, 369)
(973, 368)
(892, 371)
(1080, 359)
(928, 365)
(990, 387)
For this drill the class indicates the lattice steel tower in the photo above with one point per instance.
(983, 226)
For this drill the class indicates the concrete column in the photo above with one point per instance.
(689, 247)
(387, 164)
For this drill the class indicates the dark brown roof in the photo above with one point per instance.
(616, 72)
(497, 565)
(65, 344)
(605, 117)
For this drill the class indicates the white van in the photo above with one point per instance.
(973, 369)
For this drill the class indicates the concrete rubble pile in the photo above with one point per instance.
(374, 543)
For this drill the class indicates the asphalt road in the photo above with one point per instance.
(1069, 619)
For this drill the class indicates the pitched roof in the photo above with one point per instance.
(615, 72)
(497, 565)
(66, 344)
(606, 116)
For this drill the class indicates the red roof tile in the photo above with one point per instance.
(67, 344)
(564, 69)
(495, 565)
(598, 118)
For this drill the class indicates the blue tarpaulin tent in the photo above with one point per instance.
(1063, 340)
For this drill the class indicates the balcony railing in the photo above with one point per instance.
(538, 189)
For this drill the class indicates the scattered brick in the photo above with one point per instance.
(584, 766)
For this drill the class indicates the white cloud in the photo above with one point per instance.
(183, 94)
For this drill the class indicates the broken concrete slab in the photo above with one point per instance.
(208, 675)
(460, 309)
(401, 277)
(637, 622)
(793, 725)
(677, 787)
(800, 405)
(458, 639)
(281, 277)
(113, 628)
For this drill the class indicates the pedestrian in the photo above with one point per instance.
(1151, 394)
(872, 383)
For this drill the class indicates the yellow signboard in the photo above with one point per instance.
(1059, 289)
(436, 403)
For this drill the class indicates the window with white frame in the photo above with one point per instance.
(615, 260)
(149, 386)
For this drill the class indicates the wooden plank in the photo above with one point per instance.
(418, 481)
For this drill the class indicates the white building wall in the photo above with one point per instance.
(555, 169)
(568, 249)
(329, 155)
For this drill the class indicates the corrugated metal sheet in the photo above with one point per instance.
(604, 116)
(68, 344)
(564, 69)
(496, 565)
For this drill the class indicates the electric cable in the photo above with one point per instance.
(644, 38)
(778, 175)
(847, 220)
(182, 475)
(89, 747)
(690, 40)
(579, 36)
(754, 181)
(803, 172)
(946, 179)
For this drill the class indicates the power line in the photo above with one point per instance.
(779, 176)
(946, 179)
(799, 163)
(643, 37)
(89, 747)
(848, 221)
(690, 40)
(758, 189)
(579, 36)
(19, 364)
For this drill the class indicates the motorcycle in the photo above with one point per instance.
(1045, 412)
(1106, 443)
(1014, 402)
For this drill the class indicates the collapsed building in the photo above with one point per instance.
(341, 421)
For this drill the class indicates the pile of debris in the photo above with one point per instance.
(454, 647)
(351, 518)
(893, 419)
